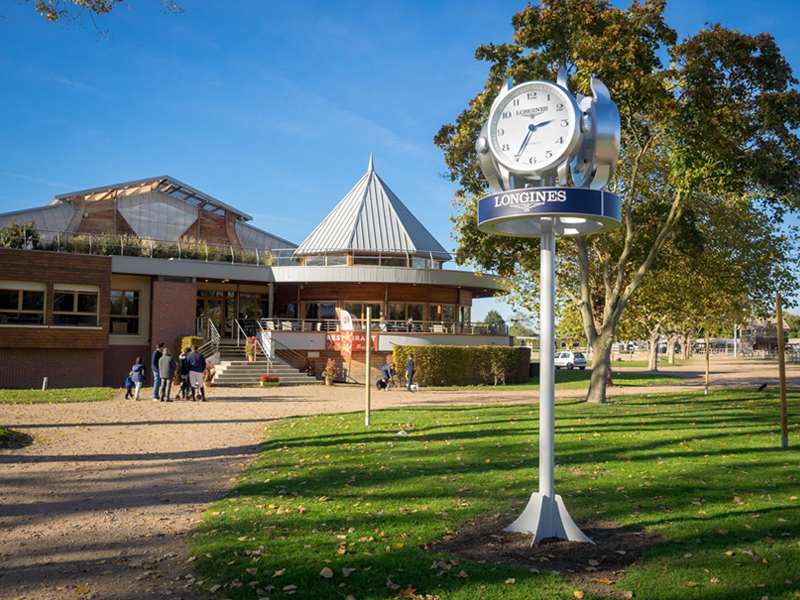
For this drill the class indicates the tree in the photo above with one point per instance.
(494, 318)
(60, 11)
(719, 121)
(521, 325)
(793, 321)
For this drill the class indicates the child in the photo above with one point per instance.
(129, 386)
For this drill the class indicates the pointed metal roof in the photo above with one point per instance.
(371, 218)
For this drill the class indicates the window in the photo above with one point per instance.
(124, 312)
(337, 260)
(76, 307)
(420, 263)
(443, 312)
(359, 309)
(365, 259)
(397, 312)
(20, 306)
(315, 261)
(394, 261)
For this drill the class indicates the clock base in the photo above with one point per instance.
(547, 517)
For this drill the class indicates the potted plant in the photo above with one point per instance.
(250, 349)
(208, 374)
(330, 372)
(309, 368)
(270, 381)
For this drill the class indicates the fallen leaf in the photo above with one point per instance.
(722, 531)
(511, 580)
(326, 573)
(689, 583)
(715, 580)
(606, 581)
(462, 574)
(346, 572)
(578, 594)
(279, 573)
(593, 562)
(288, 588)
(81, 590)
(252, 570)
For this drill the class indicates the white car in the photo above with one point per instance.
(570, 360)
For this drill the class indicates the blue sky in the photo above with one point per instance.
(271, 107)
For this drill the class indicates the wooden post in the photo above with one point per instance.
(782, 372)
(367, 385)
(708, 357)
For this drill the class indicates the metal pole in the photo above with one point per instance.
(368, 361)
(782, 372)
(735, 349)
(547, 389)
(708, 358)
(545, 516)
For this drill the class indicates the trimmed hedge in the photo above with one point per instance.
(187, 341)
(465, 365)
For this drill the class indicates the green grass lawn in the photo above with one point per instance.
(707, 473)
(577, 380)
(10, 438)
(662, 362)
(57, 395)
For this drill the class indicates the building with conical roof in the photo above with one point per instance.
(97, 277)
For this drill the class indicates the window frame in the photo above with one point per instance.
(76, 291)
(124, 316)
(21, 288)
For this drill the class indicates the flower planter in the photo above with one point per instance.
(251, 358)
(270, 383)
(329, 382)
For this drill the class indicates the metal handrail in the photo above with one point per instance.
(212, 345)
(108, 244)
(385, 326)
(296, 356)
(259, 345)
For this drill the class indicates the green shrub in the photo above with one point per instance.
(19, 235)
(465, 365)
(187, 341)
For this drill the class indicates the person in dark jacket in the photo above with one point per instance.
(154, 367)
(183, 366)
(409, 372)
(129, 386)
(196, 364)
(139, 376)
(166, 371)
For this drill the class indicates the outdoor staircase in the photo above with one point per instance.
(234, 369)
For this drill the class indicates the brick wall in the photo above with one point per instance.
(119, 360)
(173, 312)
(354, 369)
(26, 367)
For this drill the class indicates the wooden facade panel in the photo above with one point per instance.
(414, 294)
(53, 268)
(100, 219)
(443, 295)
(212, 228)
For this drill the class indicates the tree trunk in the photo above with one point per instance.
(601, 367)
(671, 340)
(687, 346)
(652, 364)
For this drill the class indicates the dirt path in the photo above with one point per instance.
(101, 504)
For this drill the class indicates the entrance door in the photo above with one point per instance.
(211, 308)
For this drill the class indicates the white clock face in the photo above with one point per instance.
(534, 127)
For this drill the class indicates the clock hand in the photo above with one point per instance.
(525, 142)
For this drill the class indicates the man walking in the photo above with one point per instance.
(166, 371)
(409, 372)
(154, 366)
(196, 364)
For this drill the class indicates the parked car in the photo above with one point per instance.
(570, 360)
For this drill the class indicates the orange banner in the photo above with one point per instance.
(337, 340)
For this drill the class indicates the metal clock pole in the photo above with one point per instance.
(536, 140)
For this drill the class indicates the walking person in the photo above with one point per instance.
(139, 376)
(409, 372)
(129, 386)
(196, 364)
(166, 371)
(154, 367)
(183, 368)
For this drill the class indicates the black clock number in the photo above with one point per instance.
(564, 122)
(505, 148)
(532, 96)
(532, 160)
(516, 102)
(559, 107)
(560, 140)
(548, 154)
(507, 114)
(501, 132)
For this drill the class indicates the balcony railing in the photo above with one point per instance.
(378, 326)
(126, 245)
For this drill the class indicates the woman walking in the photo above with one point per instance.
(139, 376)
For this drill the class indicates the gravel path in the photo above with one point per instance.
(100, 505)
